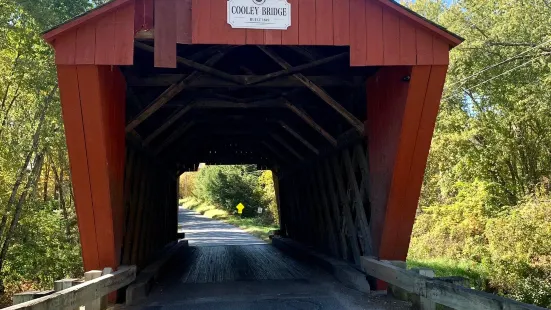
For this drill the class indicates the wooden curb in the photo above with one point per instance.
(342, 271)
(141, 288)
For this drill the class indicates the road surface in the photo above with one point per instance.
(225, 268)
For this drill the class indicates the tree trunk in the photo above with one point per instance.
(59, 180)
(46, 179)
(23, 169)
(31, 183)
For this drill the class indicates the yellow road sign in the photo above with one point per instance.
(240, 208)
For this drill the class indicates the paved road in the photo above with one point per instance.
(227, 269)
(203, 231)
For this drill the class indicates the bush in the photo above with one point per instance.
(227, 186)
(511, 247)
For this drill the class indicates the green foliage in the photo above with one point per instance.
(511, 249)
(227, 186)
(491, 149)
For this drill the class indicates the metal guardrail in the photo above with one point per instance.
(438, 291)
(90, 294)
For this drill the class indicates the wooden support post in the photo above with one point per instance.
(400, 124)
(330, 228)
(93, 100)
(361, 219)
(345, 209)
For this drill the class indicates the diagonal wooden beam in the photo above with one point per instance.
(317, 90)
(168, 123)
(175, 135)
(287, 146)
(299, 137)
(197, 66)
(291, 70)
(170, 93)
(274, 151)
(305, 117)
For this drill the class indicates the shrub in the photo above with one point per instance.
(510, 247)
(227, 186)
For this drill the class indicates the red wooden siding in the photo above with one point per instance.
(401, 117)
(143, 20)
(165, 33)
(388, 37)
(93, 103)
(115, 46)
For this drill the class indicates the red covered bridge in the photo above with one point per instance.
(341, 105)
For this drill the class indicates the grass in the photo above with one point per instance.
(474, 272)
(254, 226)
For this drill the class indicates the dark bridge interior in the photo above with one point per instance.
(272, 106)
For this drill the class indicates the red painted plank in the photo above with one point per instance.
(200, 19)
(255, 36)
(391, 38)
(233, 35)
(165, 33)
(441, 51)
(272, 37)
(139, 7)
(424, 47)
(358, 33)
(408, 48)
(307, 22)
(65, 48)
(420, 155)
(74, 134)
(105, 47)
(91, 96)
(219, 26)
(71, 25)
(386, 95)
(86, 44)
(440, 33)
(149, 15)
(374, 25)
(341, 24)
(183, 21)
(390, 244)
(124, 35)
(324, 22)
(290, 36)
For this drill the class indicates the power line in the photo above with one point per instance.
(493, 78)
(499, 64)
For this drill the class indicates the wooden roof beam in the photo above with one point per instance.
(287, 146)
(299, 137)
(175, 135)
(170, 93)
(356, 123)
(197, 66)
(308, 119)
(292, 70)
(205, 81)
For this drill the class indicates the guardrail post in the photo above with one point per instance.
(95, 304)
(424, 303)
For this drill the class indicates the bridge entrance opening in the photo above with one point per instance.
(341, 106)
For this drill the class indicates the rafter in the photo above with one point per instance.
(317, 90)
(168, 123)
(287, 146)
(170, 93)
(305, 117)
(197, 66)
(292, 70)
(205, 81)
(175, 135)
(299, 137)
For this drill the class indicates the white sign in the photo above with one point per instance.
(259, 14)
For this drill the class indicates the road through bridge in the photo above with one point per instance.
(341, 106)
(227, 268)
